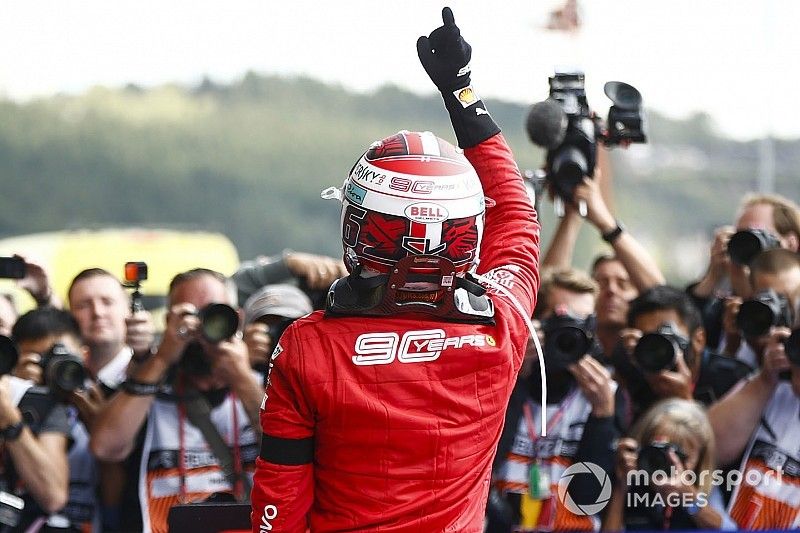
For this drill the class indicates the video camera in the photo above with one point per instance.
(657, 351)
(565, 125)
(764, 310)
(63, 371)
(568, 338)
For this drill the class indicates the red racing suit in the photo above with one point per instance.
(405, 445)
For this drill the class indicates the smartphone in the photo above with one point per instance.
(12, 267)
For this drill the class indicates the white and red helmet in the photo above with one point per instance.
(410, 194)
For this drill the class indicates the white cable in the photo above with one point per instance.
(532, 331)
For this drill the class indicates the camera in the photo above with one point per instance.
(657, 351)
(565, 125)
(655, 457)
(135, 274)
(568, 338)
(12, 267)
(766, 309)
(745, 245)
(62, 370)
(217, 323)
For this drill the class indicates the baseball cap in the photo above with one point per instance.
(281, 300)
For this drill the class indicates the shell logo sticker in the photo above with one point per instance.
(426, 213)
(466, 96)
(490, 340)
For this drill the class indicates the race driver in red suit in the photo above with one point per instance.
(383, 412)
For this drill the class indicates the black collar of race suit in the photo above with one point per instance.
(463, 300)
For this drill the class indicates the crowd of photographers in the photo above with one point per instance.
(108, 420)
(685, 401)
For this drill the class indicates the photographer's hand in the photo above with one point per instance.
(28, 367)
(230, 362)
(676, 383)
(445, 56)
(596, 384)
(774, 360)
(258, 343)
(627, 454)
(182, 326)
(718, 264)
(89, 403)
(37, 283)
(139, 332)
(597, 211)
(318, 271)
(9, 413)
(733, 337)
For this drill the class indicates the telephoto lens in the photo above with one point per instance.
(63, 371)
(766, 309)
(745, 245)
(567, 339)
(657, 351)
(218, 322)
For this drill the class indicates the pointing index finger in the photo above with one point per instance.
(447, 17)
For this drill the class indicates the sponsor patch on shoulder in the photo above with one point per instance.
(504, 275)
(466, 96)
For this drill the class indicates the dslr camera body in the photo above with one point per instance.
(567, 338)
(746, 244)
(63, 371)
(565, 125)
(658, 350)
(217, 323)
(654, 457)
(765, 309)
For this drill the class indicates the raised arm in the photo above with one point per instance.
(737, 415)
(511, 231)
(641, 266)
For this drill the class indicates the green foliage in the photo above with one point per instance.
(249, 159)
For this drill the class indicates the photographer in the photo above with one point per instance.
(774, 280)
(267, 313)
(779, 220)
(36, 334)
(663, 353)
(621, 276)
(36, 442)
(196, 392)
(760, 420)
(585, 411)
(672, 438)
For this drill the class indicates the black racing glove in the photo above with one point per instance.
(445, 55)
